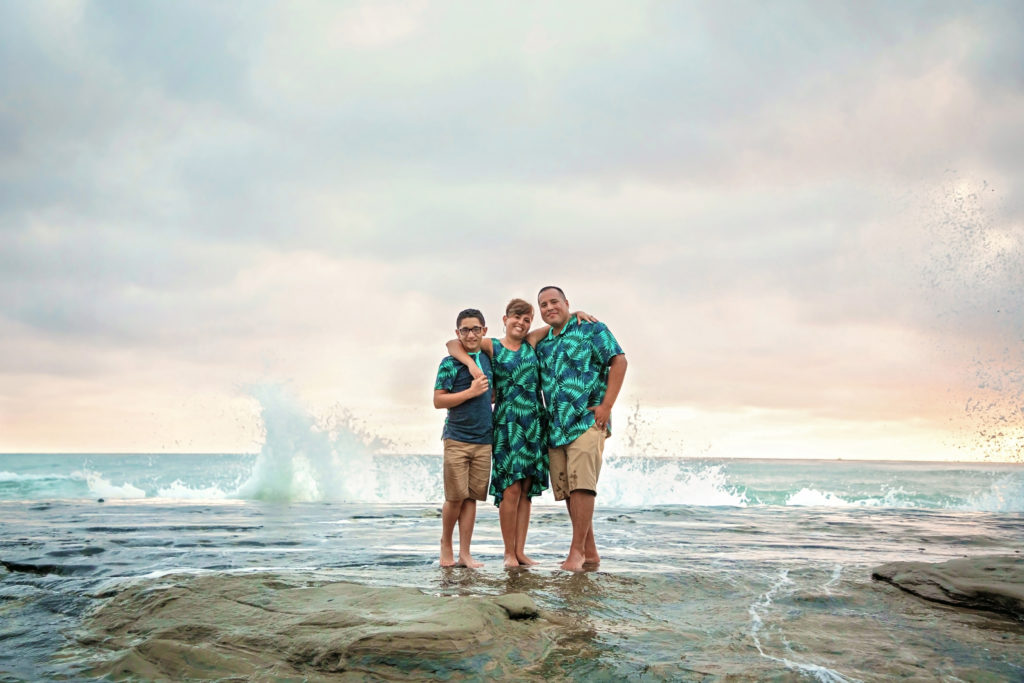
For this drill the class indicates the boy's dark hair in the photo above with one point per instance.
(552, 287)
(470, 313)
(519, 307)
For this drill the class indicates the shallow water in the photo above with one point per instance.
(684, 592)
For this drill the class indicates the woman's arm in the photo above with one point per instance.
(536, 335)
(458, 352)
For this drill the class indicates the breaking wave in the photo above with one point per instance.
(304, 459)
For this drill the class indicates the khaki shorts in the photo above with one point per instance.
(577, 466)
(467, 469)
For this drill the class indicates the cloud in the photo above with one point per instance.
(812, 210)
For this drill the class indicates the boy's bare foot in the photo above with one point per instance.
(525, 560)
(467, 561)
(447, 557)
(511, 561)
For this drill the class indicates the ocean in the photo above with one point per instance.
(711, 569)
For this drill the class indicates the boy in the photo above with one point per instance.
(467, 437)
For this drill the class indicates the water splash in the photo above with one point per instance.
(303, 461)
(641, 482)
(636, 440)
(1005, 495)
(974, 275)
(663, 471)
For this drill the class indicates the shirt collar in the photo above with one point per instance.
(569, 323)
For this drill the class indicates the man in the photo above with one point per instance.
(582, 367)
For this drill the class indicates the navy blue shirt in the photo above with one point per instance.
(470, 421)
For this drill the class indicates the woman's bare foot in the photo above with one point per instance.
(573, 563)
(525, 560)
(467, 561)
(511, 561)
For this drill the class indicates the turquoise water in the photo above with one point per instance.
(628, 481)
(711, 570)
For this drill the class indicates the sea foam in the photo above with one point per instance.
(181, 491)
(813, 498)
(102, 488)
(638, 482)
(896, 497)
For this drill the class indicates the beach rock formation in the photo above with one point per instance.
(992, 583)
(244, 626)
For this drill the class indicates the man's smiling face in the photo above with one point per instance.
(554, 307)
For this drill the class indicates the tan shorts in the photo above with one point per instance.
(467, 469)
(577, 466)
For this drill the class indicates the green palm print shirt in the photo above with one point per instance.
(574, 377)
(470, 421)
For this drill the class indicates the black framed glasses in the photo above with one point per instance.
(475, 330)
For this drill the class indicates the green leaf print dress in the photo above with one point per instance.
(520, 442)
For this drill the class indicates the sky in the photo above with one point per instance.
(803, 221)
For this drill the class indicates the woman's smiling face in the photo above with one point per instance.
(517, 325)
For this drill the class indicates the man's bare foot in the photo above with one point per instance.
(511, 561)
(467, 561)
(525, 560)
(447, 557)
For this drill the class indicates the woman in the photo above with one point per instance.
(519, 469)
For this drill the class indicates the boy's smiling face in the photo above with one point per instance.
(471, 332)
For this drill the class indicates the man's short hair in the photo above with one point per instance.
(552, 287)
(519, 307)
(470, 313)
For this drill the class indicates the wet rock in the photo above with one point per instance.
(518, 605)
(87, 551)
(278, 626)
(27, 568)
(991, 583)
